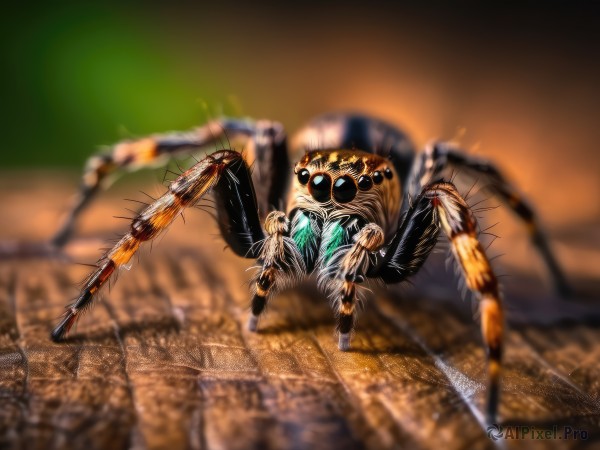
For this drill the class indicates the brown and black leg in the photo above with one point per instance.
(228, 176)
(263, 141)
(346, 253)
(439, 156)
(281, 262)
(440, 206)
(354, 265)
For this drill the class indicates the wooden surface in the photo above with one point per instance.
(165, 361)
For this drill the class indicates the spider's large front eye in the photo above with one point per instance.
(303, 176)
(344, 189)
(320, 187)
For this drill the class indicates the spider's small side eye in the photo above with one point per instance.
(377, 177)
(365, 183)
(303, 176)
(320, 187)
(388, 173)
(344, 189)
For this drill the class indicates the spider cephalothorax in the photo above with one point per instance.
(342, 183)
(360, 205)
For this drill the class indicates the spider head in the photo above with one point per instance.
(337, 182)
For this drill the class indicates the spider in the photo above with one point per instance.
(360, 204)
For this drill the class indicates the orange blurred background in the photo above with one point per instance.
(518, 84)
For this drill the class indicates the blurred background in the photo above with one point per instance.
(514, 82)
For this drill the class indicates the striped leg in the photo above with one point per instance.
(225, 171)
(459, 224)
(263, 141)
(440, 206)
(352, 266)
(440, 156)
(281, 261)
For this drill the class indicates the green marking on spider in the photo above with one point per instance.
(334, 240)
(304, 233)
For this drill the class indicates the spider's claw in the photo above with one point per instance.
(344, 342)
(62, 329)
(492, 405)
(253, 323)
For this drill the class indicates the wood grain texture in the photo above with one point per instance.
(165, 361)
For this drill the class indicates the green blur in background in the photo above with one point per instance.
(521, 79)
(90, 73)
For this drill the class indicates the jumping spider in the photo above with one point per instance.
(360, 204)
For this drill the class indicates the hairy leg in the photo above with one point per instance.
(439, 156)
(264, 142)
(224, 170)
(281, 262)
(440, 206)
(353, 266)
(459, 224)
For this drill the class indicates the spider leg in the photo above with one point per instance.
(460, 226)
(267, 144)
(411, 245)
(228, 175)
(281, 261)
(350, 265)
(440, 206)
(440, 156)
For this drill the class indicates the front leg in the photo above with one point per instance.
(237, 212)
(440, 206)
(281, 261)
(353, 267)
(343, 267)
(460, 226)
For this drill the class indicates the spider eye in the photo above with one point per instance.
(365, 183)
(388, 173)
(344, 189)
(303, 176)
(320, 187)
(377, 177)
